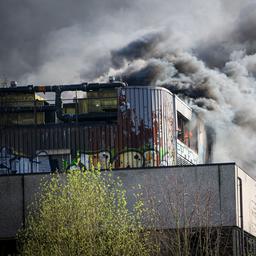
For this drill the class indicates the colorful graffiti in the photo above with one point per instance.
(152, 158)
(167, 159)
(142, 135)
(186, 153)
(103, 158)
(148, 135)
(131, 158)
(13, 162)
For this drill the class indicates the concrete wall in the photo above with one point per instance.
(248, 202)
(11, 205)
(207, 190)
(16, 193)
(187, 196)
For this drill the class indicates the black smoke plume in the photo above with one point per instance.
(217, 79)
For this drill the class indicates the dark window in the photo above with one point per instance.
(98, 101)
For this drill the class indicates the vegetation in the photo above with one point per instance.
(83, 213)
(191, 212)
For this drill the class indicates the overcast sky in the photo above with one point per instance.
(54, 41)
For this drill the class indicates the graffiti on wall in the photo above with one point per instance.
(187, 153)
(13, 162)
(93, 159)
(142, 136)
(151, 158)
(152, 129)
(131, 158)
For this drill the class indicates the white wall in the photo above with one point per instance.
(249, 202)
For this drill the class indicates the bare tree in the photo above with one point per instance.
(186, 218)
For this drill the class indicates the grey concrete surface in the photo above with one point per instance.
(11, 205)
(189, 195)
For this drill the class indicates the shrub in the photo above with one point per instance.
(83, 213)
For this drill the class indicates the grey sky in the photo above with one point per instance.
(49, 41)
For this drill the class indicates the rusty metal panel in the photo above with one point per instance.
(142, 135)
(145, 128)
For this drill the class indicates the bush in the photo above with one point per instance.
(83, 213)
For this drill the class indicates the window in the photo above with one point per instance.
(187, 133)
(98, 101)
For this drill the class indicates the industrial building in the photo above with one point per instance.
(147, 135)
(113, 124)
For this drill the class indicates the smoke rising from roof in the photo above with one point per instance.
(205, 51)
(142, 48)
(224, 95)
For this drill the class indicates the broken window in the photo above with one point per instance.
(186, 133)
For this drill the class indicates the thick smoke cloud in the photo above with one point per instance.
(205, 51)
(224, 96)
(138, 49)
(34, 32)
(65, 41)
(240, 35)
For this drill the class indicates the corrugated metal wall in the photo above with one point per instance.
(142, 135)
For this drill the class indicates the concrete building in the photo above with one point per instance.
(220, 196)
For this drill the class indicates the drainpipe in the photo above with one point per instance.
(240, 191)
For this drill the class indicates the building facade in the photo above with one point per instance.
(216, 201)
(112, 124)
